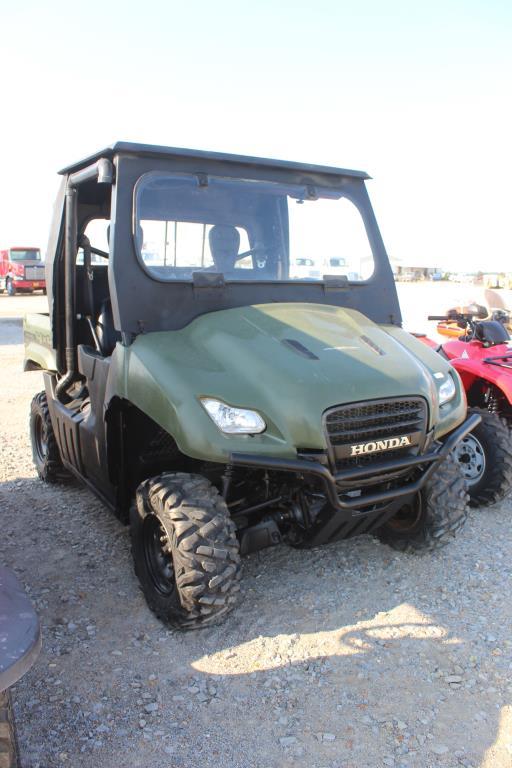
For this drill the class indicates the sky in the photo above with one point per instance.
(416, 94)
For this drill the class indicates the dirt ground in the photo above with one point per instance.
(345, 656)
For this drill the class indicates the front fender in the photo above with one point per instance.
(472, 371)
(181, 416)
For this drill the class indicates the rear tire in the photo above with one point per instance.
(434, 516)
(45, 451)
(486, 459)
(185, 550)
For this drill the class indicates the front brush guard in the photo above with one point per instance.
(330, 481)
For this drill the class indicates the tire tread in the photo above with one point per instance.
(52, 469)
(446, 509)
(203, 543)
(497, 481)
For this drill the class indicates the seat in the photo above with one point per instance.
(491, 333)
(105, 330)
(224, 246)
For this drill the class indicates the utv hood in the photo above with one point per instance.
(289, 362)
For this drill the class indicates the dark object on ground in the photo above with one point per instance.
(20, 643)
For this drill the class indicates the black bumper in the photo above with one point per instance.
(332, 481)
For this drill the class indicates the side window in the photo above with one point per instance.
(184, 245)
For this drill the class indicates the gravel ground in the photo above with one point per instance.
(345, 656)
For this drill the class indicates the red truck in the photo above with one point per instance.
(21, 269)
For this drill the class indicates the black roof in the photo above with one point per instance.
(153, 150)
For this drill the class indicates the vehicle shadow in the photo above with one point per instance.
(343, 656)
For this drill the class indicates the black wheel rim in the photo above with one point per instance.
(40, 441)
(408, 517)
(158, 561)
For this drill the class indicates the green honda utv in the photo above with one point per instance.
(224, 366)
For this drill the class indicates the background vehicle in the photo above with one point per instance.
(305, 268)
(238, 405)
(406, 277)
(483, 358)
(20, 643)
(21, 269)
(500, 280)
(450, 325)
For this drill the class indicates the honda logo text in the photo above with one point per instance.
(380, 445)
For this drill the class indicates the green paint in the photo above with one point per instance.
(38, 346)
(237, 355)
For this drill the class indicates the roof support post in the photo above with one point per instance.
(102, 171)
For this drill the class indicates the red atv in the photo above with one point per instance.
(482, 355)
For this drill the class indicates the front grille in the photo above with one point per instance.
(34, 273)
(375, 422)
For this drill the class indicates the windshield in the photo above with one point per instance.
(247, 230)
(25, 254)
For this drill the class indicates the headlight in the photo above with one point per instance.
(233, 421)
(447, 390)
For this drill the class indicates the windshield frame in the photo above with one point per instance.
(141, 303)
